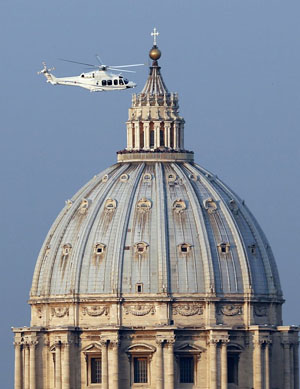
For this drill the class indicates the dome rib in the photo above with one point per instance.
(236, 235)
(89, 224)
(162, 232)
(118, 258)
(201, 232)
(252, 223)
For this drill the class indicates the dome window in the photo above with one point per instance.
(144, 205)
(105, 178)
(139, 288)
(179, 206)
(99, 249)
(147, 177)
(171, 177)
(84, 206)
(210, 205)
(66, 249)
(110, 205)
(141, 247)
(224, 248)
(184, 248)
(124, 177)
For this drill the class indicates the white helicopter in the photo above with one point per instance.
(97, 80)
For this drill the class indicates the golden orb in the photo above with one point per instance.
(154, 53)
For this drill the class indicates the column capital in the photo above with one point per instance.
(170, 339)
(159, 340)
(114, 343)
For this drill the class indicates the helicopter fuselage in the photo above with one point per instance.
(95, 81)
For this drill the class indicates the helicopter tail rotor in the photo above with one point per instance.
(45, 70)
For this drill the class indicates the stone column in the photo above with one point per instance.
(257, 371)
(213, 363)
(129, 136)
(58, 366)
(156, 134)
(146, 135)
(176, 136)
(18, 365)
(296, 365)
(224, 379)
(104, 364)
(66, 367)
(287, 373)
(32, 365)
(181, 136)
(159, 364)
(26, 367)
(267, 366)
(169, 369)
(168, 134)
(114, 344)
(137, 144)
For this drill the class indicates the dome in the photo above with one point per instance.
(170, 227)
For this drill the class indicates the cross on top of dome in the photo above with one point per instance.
(155, 34)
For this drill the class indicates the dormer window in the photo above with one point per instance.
(110, 205)
(139, 288)
(224, 248)
(171, 177)
(141, 247)
(179, 206)
(124, 177)
(184, 248)
(147, 177)
(144, 205)
(99, 249)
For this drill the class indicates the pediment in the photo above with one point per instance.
(189, 348)
(140, 348)
(93, 347)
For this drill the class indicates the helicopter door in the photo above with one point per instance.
(121, 82)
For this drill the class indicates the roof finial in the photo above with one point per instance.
(155, 34)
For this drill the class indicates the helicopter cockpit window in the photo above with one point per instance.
(103, 82)
(126, 81)
(109, 82)
(115, 82)
(121, 82)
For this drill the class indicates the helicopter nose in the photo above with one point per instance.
(131, 84)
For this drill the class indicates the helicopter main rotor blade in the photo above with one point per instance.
(127, 66)
(120, 70)
(99, 59)
(80, 63)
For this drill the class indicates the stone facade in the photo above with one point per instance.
(156, 275)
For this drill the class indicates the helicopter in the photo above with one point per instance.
(97, 80)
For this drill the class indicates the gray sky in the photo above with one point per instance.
(236, 67)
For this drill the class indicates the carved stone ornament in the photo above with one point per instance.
(231, 309)
(84, 205)
(39, 312)
(260, 310)
(59, 311)
(110, 205)
(187, 309)
(233, 206)
(210, 205)
(179, 206)
(144, 205)
(95, 310)
(139, 309)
